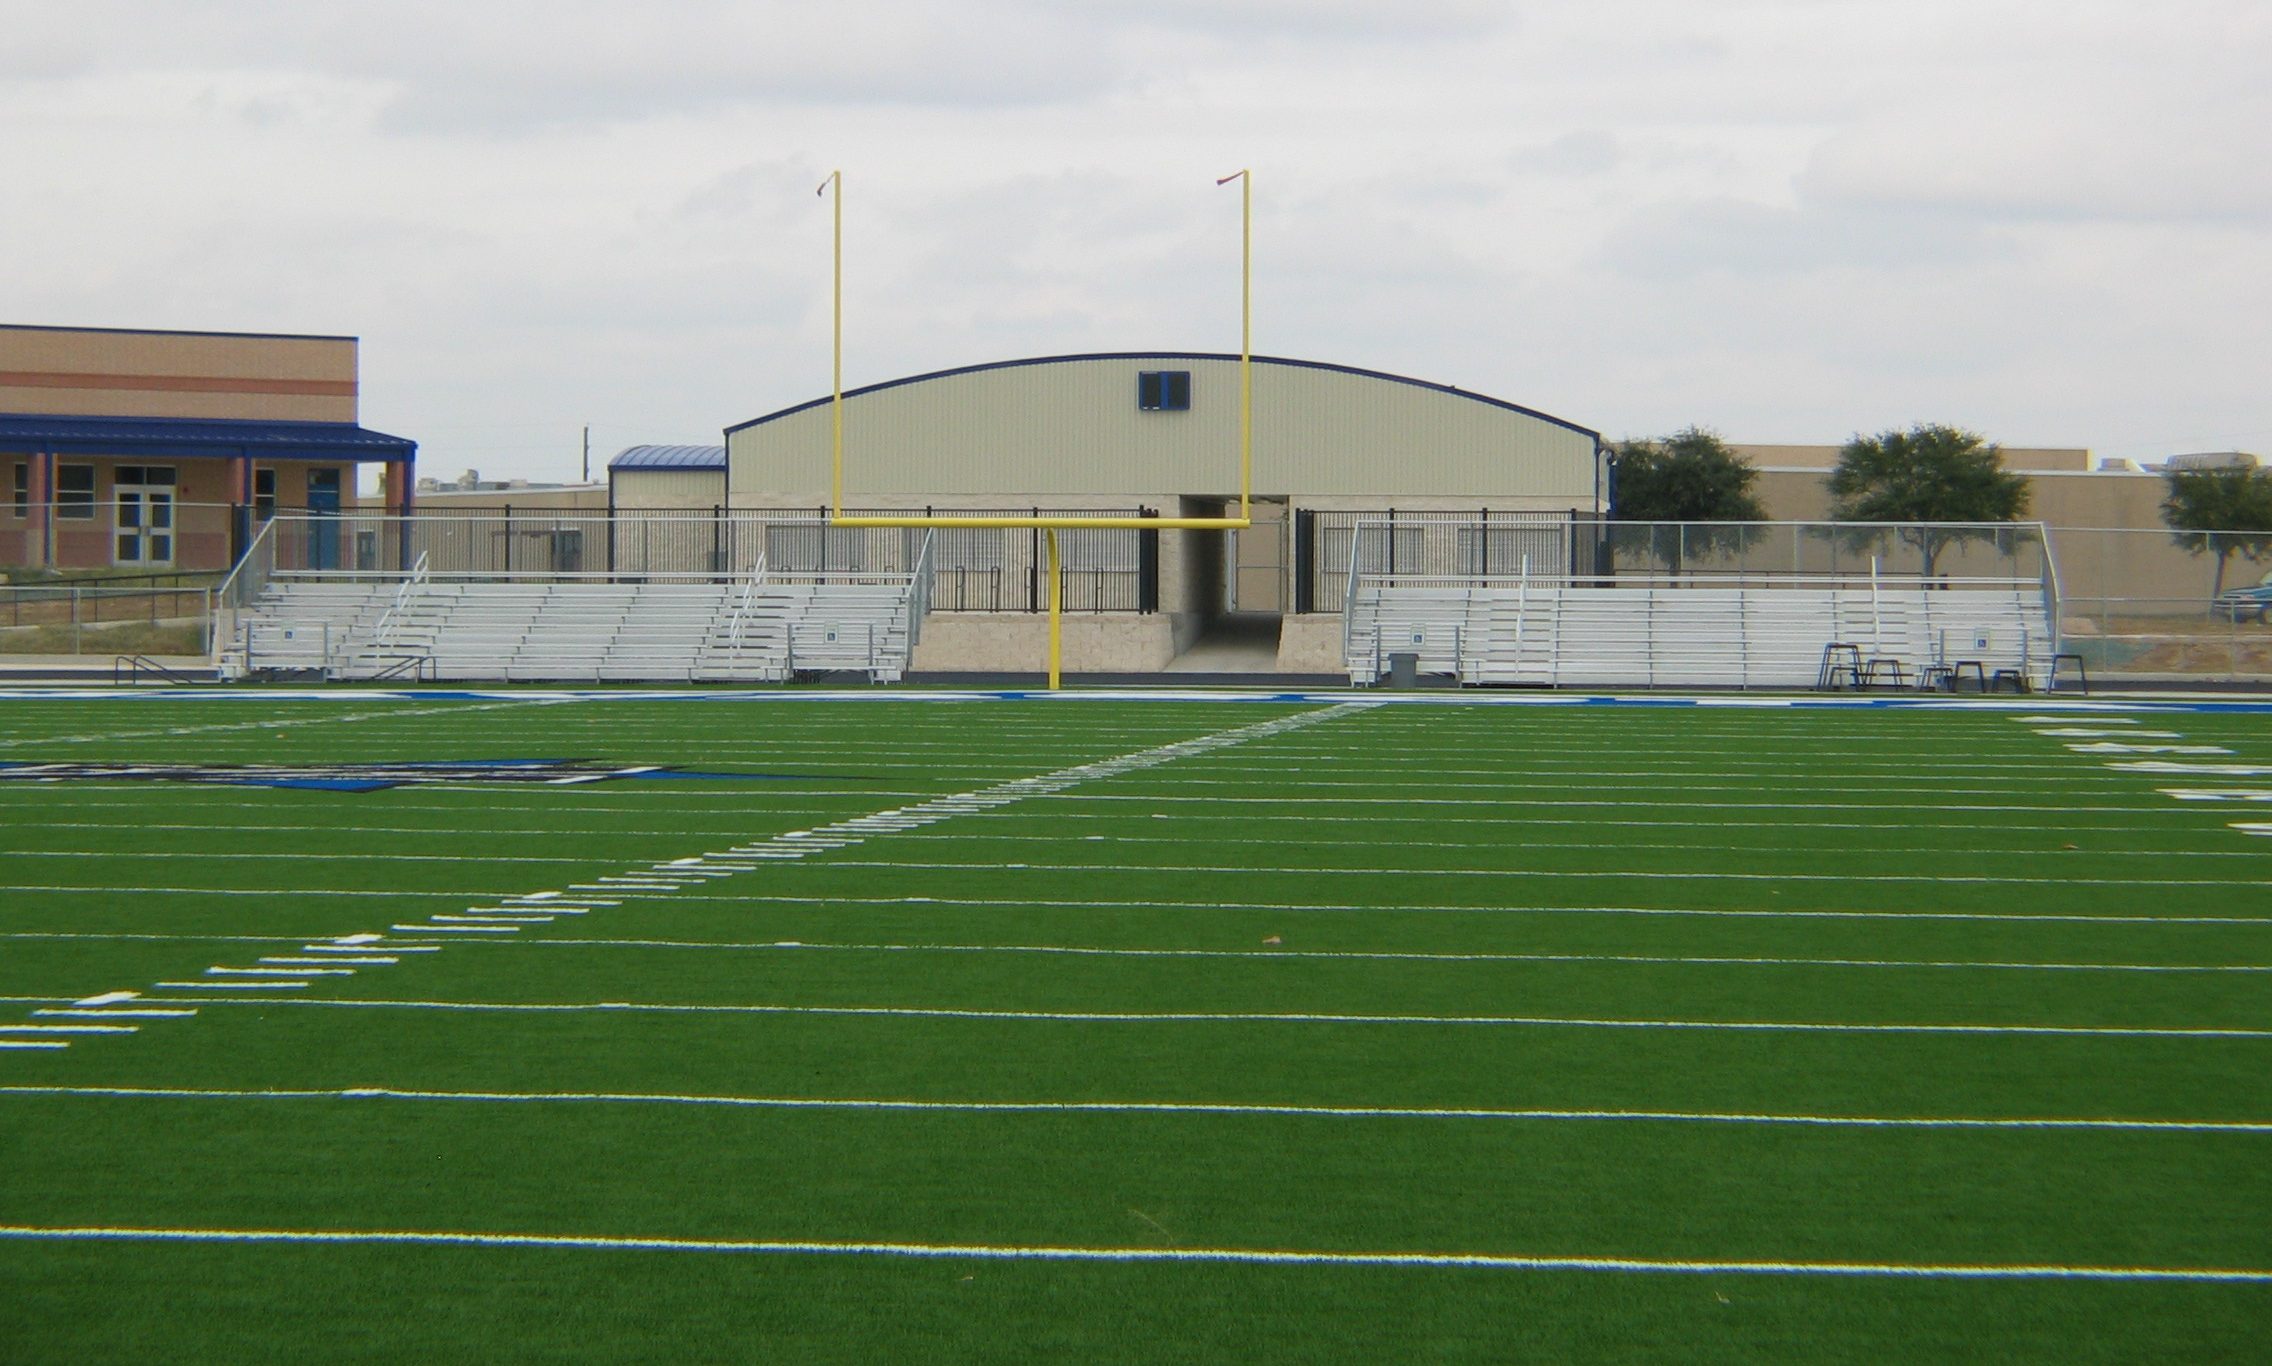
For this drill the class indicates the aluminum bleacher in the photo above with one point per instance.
(1557, 633)
(751, 628)
(1605, 603)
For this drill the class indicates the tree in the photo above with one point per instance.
(1690, 476)
(1929, 474)
(2221, 511)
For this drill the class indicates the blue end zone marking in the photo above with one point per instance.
(377, 777)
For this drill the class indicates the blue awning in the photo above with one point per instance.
(194, 437)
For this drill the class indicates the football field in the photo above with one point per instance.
(779, 1026)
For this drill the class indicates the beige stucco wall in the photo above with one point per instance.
(1311, 644)
(965, 642)
(576, 498)
(1070, 428)
(177, 374)
(639, 490)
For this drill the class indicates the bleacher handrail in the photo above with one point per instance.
(752, 582)
(253, 569)
(919, 590)
(390, 621)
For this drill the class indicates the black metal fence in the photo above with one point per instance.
(1442, 544)
(989, 569)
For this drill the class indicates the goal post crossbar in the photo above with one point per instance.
(1049, 527)
(1062, 522)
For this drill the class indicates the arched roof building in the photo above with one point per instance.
(1158, 432)
(1164, 425)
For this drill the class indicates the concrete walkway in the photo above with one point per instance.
(1246, 644)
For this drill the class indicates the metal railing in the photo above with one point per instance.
(389, 625)
(76, 618)
(919, 591)
(751, 583)
(1486, 541)
(973, 569)
(252, 571)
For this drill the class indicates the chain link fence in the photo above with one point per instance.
(2150, 602)
(125, 615)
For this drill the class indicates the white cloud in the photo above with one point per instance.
(1788, 219)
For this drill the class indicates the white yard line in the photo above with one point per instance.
(1262, 1017)
(1270, 870)
(1253, 1256)
(1373, 820)
(962, 837)
(716, 869)
(1666, 797)
(1075, 950)
(1118, 1107)
(1314, 907)
(1367, 955)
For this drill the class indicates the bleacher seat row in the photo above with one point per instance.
(1563, 635)
(573, 631)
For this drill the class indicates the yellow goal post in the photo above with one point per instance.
(1050, 525)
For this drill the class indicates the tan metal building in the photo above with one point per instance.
(1158, 433)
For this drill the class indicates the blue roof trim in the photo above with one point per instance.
(1175, 356)
(669, 458)
(176, 332)
(193, 437)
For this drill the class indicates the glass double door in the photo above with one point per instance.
(143, 516)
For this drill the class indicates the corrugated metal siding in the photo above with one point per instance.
(669, 458)
(636, 490)
(1072, 428)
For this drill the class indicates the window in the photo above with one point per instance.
(263, 494)
(1163, 391)
(161, 475)
(21, 502)
(75, 492)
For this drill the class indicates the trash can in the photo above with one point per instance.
(1404, 669)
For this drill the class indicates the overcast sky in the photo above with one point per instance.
(1789, 220)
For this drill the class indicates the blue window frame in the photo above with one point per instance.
(1163, 391)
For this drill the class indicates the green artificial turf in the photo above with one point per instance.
(1334, 935)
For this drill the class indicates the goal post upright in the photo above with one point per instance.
(836, 347)
(1245, 178)
(1050, 525)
